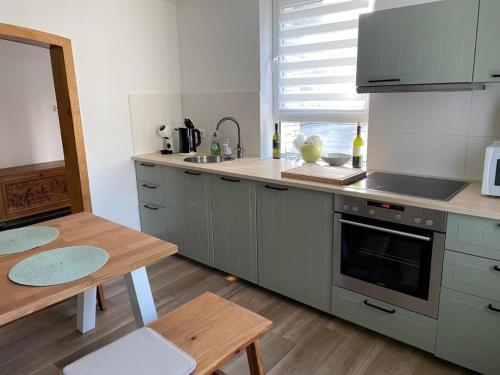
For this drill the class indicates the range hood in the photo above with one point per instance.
(438, 87)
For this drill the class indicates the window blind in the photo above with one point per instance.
(315, 44)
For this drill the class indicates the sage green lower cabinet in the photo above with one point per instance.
(474, 275)
(189, 217)
(153, 219)
(473, 235)
(234, 226)
(295, 235)
(403, 325)
(469, 331)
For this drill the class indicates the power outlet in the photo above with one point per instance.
(202, 133)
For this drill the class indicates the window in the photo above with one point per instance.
(315, 48)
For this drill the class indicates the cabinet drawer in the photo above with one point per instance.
(400, 324)
(151, 193)
(473, 235)
(469, 331)
(473, 275)
(149, 172)
(153, 219)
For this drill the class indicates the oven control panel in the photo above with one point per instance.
(392, 212)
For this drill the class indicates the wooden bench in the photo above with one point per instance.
(213, 330)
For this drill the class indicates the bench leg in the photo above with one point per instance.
(86, 310)
(141, 298)
(254, 356)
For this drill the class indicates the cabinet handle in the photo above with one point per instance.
(276, 188)
(490, 306)
(496, 75)
(147, 165)
(149, 186)
(384, 80)
(150, 208)
(230, 179)
(496, 268)
(192, 173)
(379, 308)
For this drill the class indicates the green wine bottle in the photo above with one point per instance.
(276, 142)
(357, 149)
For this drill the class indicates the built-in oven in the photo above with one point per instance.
(393, 253)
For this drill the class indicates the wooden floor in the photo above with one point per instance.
(303, 340)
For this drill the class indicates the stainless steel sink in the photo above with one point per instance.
(208, 159)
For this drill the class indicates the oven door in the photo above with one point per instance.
(393, 263)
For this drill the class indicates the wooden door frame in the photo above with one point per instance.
(63, 71)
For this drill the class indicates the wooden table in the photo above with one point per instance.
(129, 253)
(213, 330)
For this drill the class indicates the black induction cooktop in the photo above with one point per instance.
(424, 187)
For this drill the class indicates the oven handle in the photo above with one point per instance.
(386, 230)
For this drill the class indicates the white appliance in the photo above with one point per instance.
(491, 175)
(170, 137)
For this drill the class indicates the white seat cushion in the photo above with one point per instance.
(143, 352)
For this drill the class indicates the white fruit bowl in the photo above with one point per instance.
(336, 160)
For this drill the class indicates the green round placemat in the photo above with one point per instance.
(18, 240)
(58, 266)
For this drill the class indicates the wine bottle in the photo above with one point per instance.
(357, 149)
(276, 142)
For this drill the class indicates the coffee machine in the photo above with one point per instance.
(170, 138)
(189, 138)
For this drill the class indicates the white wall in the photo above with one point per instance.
(29, 125)
(219, 43)
(119, 46)
(440, 134)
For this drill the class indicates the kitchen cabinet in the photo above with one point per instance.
(429, 43)
(487, 65)
(469, 331)
(403, 325)
(473, 275)
(153, 219)
(188, 212)
(234, 226)
(473, 235)
(295, 236)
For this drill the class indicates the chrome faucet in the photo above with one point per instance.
(239, 147)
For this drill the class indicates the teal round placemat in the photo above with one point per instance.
(58, 266)
(22, 239)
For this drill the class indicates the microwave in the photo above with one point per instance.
(491, 175)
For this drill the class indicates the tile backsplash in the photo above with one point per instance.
(147, 112)
(206, 109)
(438, 134)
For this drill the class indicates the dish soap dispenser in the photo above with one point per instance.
(215, 146)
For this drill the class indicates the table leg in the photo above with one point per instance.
(86, 310)
(254, 356)
(141, 298)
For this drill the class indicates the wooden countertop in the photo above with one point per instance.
(467, 202)
(128, 250)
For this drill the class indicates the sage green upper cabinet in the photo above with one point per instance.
(295, 232)
(421, 44)
(189, 218)
(234, 226)
(487, 66)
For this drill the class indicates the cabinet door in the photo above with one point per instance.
(189, 220)
(295, 232)
(487, 65)
(473, 235)
(153, 219)
(469, 331)
(422, 44)
(234, 226)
